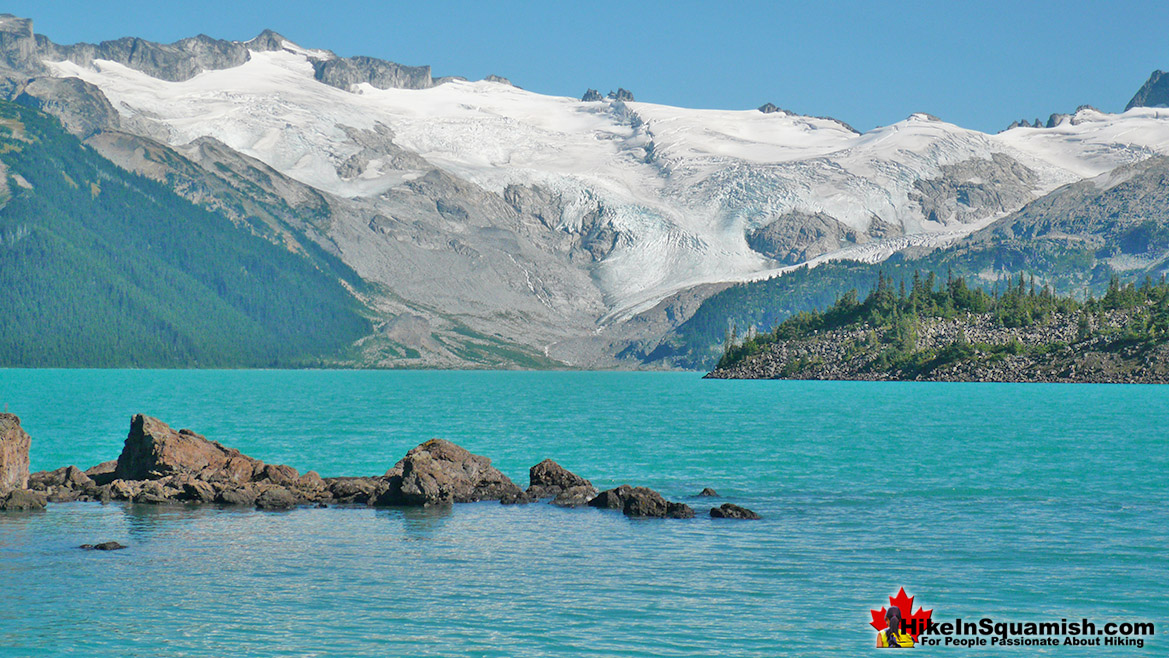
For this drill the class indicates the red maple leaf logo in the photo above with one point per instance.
(905, 604)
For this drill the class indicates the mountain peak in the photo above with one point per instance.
(1154, 93)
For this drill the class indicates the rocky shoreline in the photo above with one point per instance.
(1047, 353)
(161, 466)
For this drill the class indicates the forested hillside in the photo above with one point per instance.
(103, 268)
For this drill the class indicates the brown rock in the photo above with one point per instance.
(278, 474)
(155, 451)
(198, 491)
(547, 479)
(707, 491)
(69, 477)
(14, 442)
(124, 489)
(103, 473)
(439, 472)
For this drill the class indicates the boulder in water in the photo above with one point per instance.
(22, 500)
(104, 546)
(548, 479)
(641, 502)
(439, 472)
(732, 511)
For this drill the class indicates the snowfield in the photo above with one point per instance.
(681, 187)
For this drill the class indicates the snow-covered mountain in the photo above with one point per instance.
(550, 221)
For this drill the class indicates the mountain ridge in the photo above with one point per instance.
(551, 223)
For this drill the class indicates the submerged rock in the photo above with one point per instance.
(14, 443)
(731, 511)
(104, 546)
(641, 502)
(439, 472)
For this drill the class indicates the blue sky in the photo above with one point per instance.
(979, 65)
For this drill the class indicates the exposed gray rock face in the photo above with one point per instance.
(1119, 215)
(641, 502)
(176, 62)
(622, 94)
(439, 472)
(82, 108)
(499, 79)
(266, 41)
(18, 45)
(769, 108)
(797, 236)
(14, 444)
(1023, 123)
(1154, 93)
(976, 189)
(591, 96)
(344, 72)
(732, 511)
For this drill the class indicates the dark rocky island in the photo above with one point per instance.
(955, 332)
(162, 466)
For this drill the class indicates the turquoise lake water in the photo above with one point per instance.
(1017, 502)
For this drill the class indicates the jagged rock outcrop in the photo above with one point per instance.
(18, 45)
(14, 444)
(769, 108)
(499, 79)
(344, 72)
(439, 472)
(153, 451)
(732, 511)
(1154, 93)
(622, 94)
(175, 62)
(641, 502)
(591, 96)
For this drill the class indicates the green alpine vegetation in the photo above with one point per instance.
(104, 268)
(953, 331)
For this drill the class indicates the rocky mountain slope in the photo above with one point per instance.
(499, 226)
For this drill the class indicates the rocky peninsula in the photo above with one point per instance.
(161, 466)
(961, 334)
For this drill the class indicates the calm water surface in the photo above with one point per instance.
(1019, 502)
